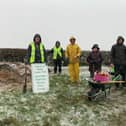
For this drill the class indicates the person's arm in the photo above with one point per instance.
(112, 55)
(51, 51)
(125, 50)
(28, 54)
(101, 58)
(89, 60)
(45, 54)
(62, 54)
(66, 53)
(78, 51)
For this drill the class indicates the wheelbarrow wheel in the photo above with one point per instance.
(91, 95)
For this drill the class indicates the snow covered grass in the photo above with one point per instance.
(63, 105)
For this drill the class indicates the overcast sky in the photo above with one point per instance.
(90, 21)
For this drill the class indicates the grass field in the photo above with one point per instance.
(63, 105)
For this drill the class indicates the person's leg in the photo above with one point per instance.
(123, 79)
(55, 66)
(123, 73)
(98, 67)
(124, 85)
(77, 72)
(124, 76)
(117, 72)
(71, 72)
(60, 66)
(93, 70)
(91, 74)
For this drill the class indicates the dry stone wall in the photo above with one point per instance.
(17, 55)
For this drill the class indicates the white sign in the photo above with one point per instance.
(40, 78)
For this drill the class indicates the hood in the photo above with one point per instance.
(37, 35)
(120, 38)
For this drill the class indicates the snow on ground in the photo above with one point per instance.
(64, 105)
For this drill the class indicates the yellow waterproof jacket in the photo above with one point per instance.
(73, 53)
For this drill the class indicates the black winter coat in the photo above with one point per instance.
(118, 54)
(95, 61)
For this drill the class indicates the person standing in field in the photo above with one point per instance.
(73, 53)
(118, 58)
(57, 52)
(36, 51)
(94, 60)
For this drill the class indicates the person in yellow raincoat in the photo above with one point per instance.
(73, 53)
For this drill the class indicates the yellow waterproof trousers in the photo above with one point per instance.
(74, 72)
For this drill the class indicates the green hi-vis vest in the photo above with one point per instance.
(56, 52)
(33, 50)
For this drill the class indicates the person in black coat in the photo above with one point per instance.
(94, 60)
(118, 58)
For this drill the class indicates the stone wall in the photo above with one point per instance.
(17, 55)
(12, 55)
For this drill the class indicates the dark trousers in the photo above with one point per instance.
(91, 74)
(58, 65)
(120, 69)
(93, 68)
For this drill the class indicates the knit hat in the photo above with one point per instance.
(95, 46)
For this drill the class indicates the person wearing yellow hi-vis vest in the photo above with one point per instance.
(57, 55)
(36, 52)
(73, 53)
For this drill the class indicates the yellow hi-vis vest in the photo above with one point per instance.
(56, 52)
(33, 50)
